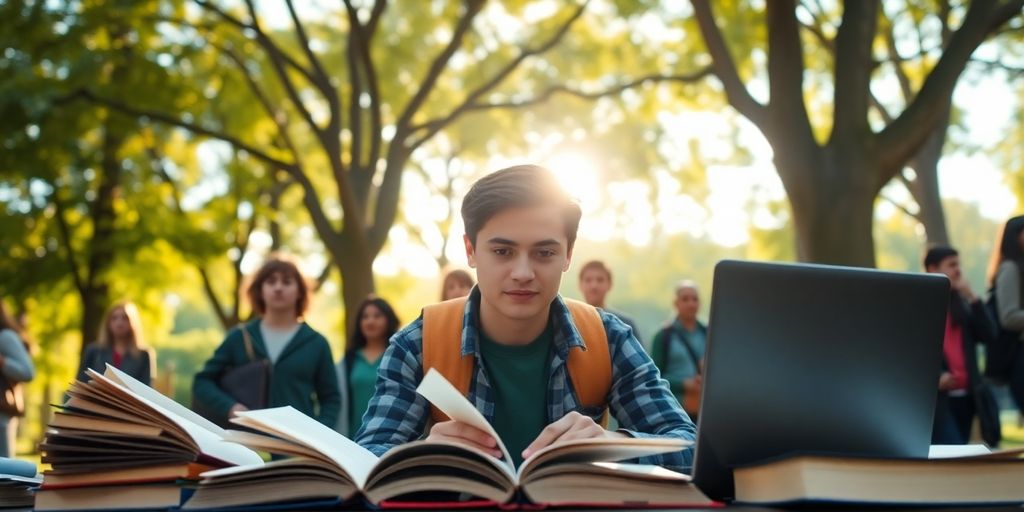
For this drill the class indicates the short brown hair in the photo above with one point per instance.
(277, 265)
(596, 265)
(517, 187)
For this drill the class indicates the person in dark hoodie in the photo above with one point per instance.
(301, 361)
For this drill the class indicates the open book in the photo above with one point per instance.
(950, 476)
(115, 438)
(325, 464)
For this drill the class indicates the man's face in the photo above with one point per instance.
(594, 284)
(519, 258)
(950, 266)
(687, 303)
(280, 292)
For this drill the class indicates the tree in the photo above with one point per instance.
(833, 181)
(346, 133)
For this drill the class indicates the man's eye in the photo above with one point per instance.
(502, 251)
(546, 253)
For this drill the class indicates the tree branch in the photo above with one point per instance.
(65, 234)
(266, 43)
(156, 161)
(300, 30)
(901, 207)
(992, 65)
(170, 120)
(278, 117)
(902, 138)
(897, 60)
(279, 64)
(786, 69)
(473, 8)
(364, 38)
(474, 96)
(435, 125)
(853, 69)
(324, 274)
(725, 67)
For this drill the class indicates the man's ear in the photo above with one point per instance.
(568, 259)
(470, 251)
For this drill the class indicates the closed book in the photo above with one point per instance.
(981, 479)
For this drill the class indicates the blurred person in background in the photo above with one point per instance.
(357, 370)
(967, 325)
(121, 344)
(1006, 277)
(678, 348)
(457, 283)
(302, 371)
(595, 282)
(16, 368)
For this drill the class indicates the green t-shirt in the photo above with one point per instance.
(518, 374)
(361, 381)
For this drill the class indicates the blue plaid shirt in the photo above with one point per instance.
(639, 399)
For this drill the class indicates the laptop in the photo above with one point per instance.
(817, 359)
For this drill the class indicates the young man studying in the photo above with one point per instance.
(529, 360)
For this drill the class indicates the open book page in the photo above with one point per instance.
(599, 450)
(948, 451)
(290, 424)
(156, 397)
(439, 392)
(208, 442)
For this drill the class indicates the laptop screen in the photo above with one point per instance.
(817, 359)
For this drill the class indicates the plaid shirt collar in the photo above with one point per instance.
(566, 334)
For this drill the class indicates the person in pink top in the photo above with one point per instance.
(967, 324)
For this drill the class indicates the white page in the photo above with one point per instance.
(357, 461)
(156, 397)
(439, 392)
(208, 442)
(949, 451)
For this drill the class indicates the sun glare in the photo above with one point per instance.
(579, 176)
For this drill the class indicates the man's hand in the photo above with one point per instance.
(464, 433)
(235, 409)
(692, 383)
(946, 381)
(963, 287)
(572, 426)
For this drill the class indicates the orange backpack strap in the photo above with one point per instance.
(442, 347)
(590, 369)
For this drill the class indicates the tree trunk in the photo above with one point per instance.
(356, 270)
(95, 293)
(832, 195)
(925, 186)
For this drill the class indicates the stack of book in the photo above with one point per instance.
(18, 481)
(118, 444)
(325, 467)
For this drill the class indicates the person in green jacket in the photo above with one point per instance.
(302, 374)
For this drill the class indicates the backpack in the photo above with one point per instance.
(590, 368)
(1001, 352)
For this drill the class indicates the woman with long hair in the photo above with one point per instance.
(301, 366)
(1006, 277)
(357, 372)
(15, 368)
(121, 344)
(456, 283)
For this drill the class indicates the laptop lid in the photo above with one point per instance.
(812, 358)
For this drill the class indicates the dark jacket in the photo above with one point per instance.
(978, 327)
(137, 363)
(303, 375)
